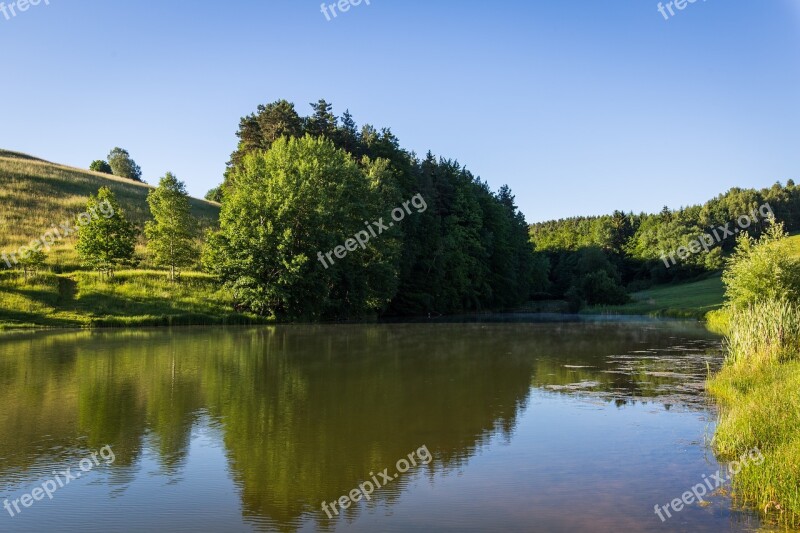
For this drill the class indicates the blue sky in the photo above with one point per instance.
(582, 107)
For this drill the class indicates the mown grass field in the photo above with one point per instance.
(36, 195)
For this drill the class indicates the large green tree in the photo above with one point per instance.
(170, 235)
(106, 239)
(469, 250)
(123, 166)
(292, 204)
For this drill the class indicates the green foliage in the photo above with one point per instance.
(757, 388)
(587, 276)
(170, 235)
(122, 165)
(640, 245)
(99, 165)
(107, 239)
(762, 270)
(31, 261)
(259, 130)
(38, 194)
(302, 197)
(468, 250)
(599, 288)
(540, 274)
(214, 195)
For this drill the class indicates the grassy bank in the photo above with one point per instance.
(685, 300)
(696, 299)
(758, 391)
(131, 298)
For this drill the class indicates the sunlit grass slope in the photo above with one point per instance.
(680, 300)
(35, 195)
(693, 299)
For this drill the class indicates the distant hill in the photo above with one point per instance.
(36, 194)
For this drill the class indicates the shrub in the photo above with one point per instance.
(762, 270)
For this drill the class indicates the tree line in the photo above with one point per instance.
(630, 247)
(300, 184)
(108, 242)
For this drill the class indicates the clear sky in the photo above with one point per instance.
(581, 106)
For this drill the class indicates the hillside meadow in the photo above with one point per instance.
(36, 195)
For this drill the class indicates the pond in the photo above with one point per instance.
(503, 424)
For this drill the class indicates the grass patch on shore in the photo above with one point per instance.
(37, 195)
(130, 298)
(761, 408)
(685, 300)
(758, 391)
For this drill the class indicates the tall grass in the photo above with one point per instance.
(764, 333)
(759, 395)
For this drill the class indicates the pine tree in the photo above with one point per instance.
(323, 122)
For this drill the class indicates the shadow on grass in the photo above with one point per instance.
(27, 319)
(65, 305)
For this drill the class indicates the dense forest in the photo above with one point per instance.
(594, 259)
(299, 186)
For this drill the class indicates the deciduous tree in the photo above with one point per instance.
(105, 241)
(123, 166)
(170, 235)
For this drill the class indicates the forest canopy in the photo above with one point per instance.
(300, 185)
(297, 185)
(635, 245)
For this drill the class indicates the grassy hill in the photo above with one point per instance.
(36, 195)
(681, 300)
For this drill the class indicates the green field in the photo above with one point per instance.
(37, 195)
(684, 300)
(681, 300)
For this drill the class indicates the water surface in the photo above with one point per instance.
(556, 426)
